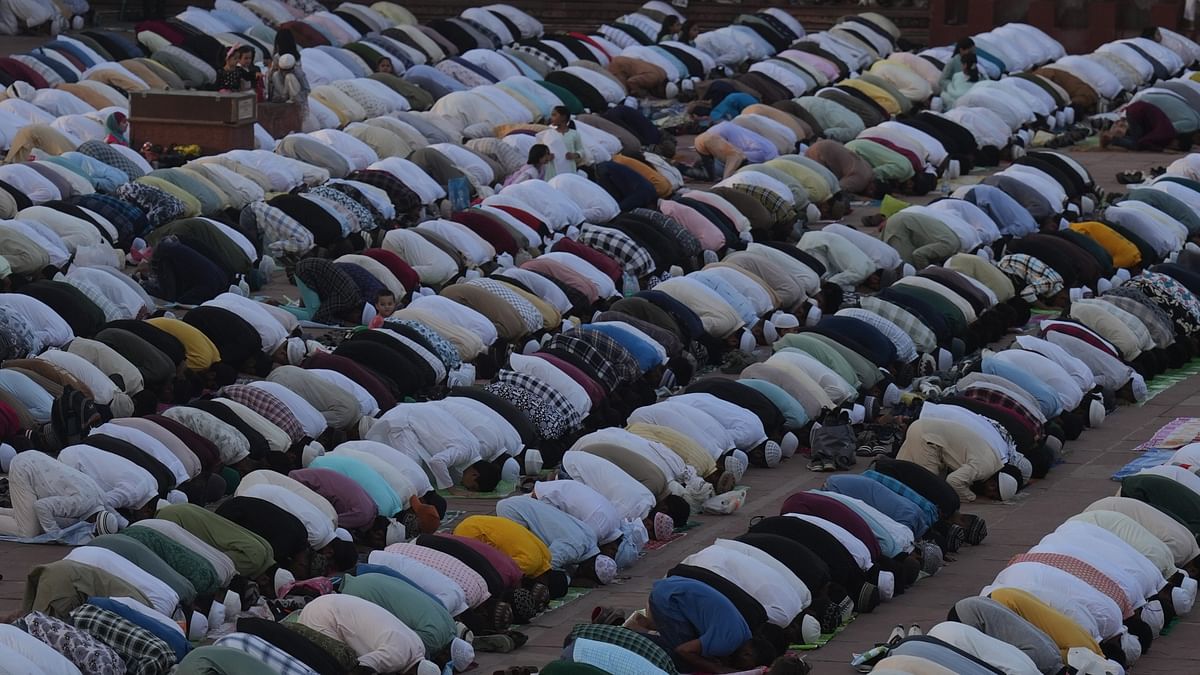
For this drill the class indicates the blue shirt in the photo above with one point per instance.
(928, 508)
(685, 609)
(29, 393)
(174, 639)
(881, 498)
(729, 294)
(1010, 217)
(1046, 398)
(732, 105)
(646, 355)
(569, 539)
(385, 498)
(793, 413)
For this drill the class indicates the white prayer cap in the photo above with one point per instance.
(812, 213)
(606, 569)
(857, 414)
(343, 534)
(1072, 209)
(772, 454)
(1138, 384)
(531, 347)
(736, 463)
(672, 92)
(395, 533)
(21, 89)
(160, 505)
(1103, 285)
(1086, 205)
(1095, 413)
(216, 615)
(107, 522)
(1152, 613)
(1123, 274)
(746, 342)
(810, 629)
(907, 270)
(311, 451)
(295, 346)
(533, 461)
(1181, 599)
(462, 654)
(954, 169)
(891, 395)
(511, 470)
(770, 334)
(232, 604)
(1023, 465)
(789, 443)
(198, 627)
(887, 585)
(935, 104)
(785, 320)
(427, 667)
(1008, 486)
(1087, 662)
(7, 452)
(1131, 648)
(176, 497)
(287, 62)
(813, 316)
(675, 271)
(944, 359)
(283, 578)
(1076, 294)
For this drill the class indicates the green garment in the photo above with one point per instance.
(137, 553)
(953, 315)
(1171, 497)
(800, 196)
(838, 122)
(191, 565)
(887, 164)
(200, 233)
(413, 606)
(59, 587)
(340, 651)
(1182, 116)
(920, 239)
(954, 65)
(865, 372)
(570, 100)
(794, 416)
(815, 178)
(1169, 205)
(828, 356)
(251, 554)
(985, 272)
(220, 661)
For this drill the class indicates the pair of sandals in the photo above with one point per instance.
(822, 465)
(501, 643)
(1132, 177)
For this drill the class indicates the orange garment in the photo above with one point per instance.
(662, 186)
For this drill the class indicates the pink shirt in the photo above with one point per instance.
(709, 235)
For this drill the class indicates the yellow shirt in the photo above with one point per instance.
(877, 94)
(200, 352)
(1057, 626)
(662, 186)
(514, 539)
(1124, 253)
(688, 450)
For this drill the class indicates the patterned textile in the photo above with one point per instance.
(403, 197)
(338, 293)
(927, 507)
(99, 150)
(368, 285)
(474, 586)
(550, 424)
(780, 210)
(619, 246)
(620, 360)
(142, 651)
(576, 346)
(608, 658)
(377, 216)
(1158, 322)
(269, 406)
(626, 639)
(273, 657)
(16, 333)
(281, 233)
(1041, 281)
(339, 650)
(111, 311)
(1082, 571)
(923, 339)
(443, 348)
(129, 220)
(1000, 399)
(529, 314)
(187, 563)
(359, 216)
(160, 206)
(906, 349)
(688, 243)
(549, 395)
(1172, 297)
(88, 654)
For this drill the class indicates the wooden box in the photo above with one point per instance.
(280, 119)
(215, 121)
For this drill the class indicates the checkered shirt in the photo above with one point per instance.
(129, 220)
(474, 586)
(621, 247)
(160, 206)
(1000, 399)
(281, 233)
(927, 507)
(529, 314)
(359, 216)
(550, 423)
(269, 406)
(273, 657)
(609, 658)
(88, 654)
(780, 210)
(402, 196)
(111, 311)
(627, 639)
(1157, 322)
(549, 395)
(689, 245)
(619, 358)
(1082, 571)
(603, 371)
(1041, 281)
(923, 339)
(443, 348)
(550, 60)
(99, 150)
(143, 652)
(906, 349)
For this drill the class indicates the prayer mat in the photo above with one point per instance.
(679, 533)
(823, 639)
(449, 520)
(1174, 435)
(573, 593)
(1169, 379)
(1149, 459)
(75, 535)
(503, 489)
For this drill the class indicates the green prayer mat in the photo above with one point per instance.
(1170, 626)
(823, 639)
(449, 520)
(503, 489)
(1169, 379)
(573, 593)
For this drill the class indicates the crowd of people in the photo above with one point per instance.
(270, 474)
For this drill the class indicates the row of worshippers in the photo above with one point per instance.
(1094, 593)
(741, 603)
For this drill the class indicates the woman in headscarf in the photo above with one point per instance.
(117, 126)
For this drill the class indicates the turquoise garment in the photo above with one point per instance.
(312, 302)
(1046, 397)
(888, 545)
(385, 498)
(793, 413)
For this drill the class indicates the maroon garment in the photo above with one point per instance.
(20, 71)
(611, 268)
(525, 217)
(355, 508)
(162, 29)
(1087, 335)
(508, 569)
(205, 450)
(1149, 127)
(594, 391)
(489, 228)
(917, 165)
(365, 378)
(396, 265)
(9, 424)
(813, 504)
